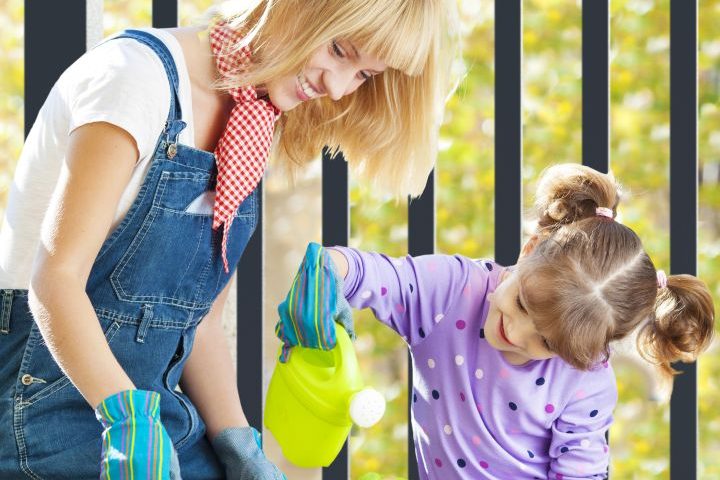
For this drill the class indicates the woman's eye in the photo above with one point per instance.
(337, 50)
(364, 75)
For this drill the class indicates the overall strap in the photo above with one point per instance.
(174, 123)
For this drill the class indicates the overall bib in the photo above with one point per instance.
(153, 281)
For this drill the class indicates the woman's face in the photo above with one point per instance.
(509, 328)
(335, 70)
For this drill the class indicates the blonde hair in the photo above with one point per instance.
(589, 282)
(387, 129)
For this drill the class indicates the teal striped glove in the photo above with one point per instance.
(315, 302)
(134, 442)
(240, 451)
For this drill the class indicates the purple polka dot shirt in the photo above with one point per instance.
(474, 415)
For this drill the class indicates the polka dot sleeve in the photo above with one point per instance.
(578, 449)
(409, 294)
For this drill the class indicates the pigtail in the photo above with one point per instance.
(681, 327)
(569, 192)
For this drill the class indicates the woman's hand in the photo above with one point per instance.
(240, 451)
(135, 442)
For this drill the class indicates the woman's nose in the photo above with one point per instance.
(339, 83)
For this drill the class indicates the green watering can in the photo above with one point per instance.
(314, 399)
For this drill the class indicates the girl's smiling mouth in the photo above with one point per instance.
(501, 329)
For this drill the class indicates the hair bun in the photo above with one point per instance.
(569, 192)
(557, 210)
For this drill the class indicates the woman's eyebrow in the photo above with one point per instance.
(357, 54)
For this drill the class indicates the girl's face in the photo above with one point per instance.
(509, 328)
(335, 70)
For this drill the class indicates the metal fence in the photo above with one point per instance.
(58, 32)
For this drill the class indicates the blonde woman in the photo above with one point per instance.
(135, 196)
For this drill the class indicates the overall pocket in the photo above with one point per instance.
(39, 374)
(170, 259)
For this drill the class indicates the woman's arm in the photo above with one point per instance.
(99, 163)
(209, 377)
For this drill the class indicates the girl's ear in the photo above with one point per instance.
(529, 246)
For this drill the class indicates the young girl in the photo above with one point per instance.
(141, 170)
(511, 373)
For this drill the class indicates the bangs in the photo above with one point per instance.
(400, 34)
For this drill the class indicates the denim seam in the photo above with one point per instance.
(130, 320)
(6, 309)
(18, 416)
(203, 275)
(238, 216)
(125, 260)
(201, 281)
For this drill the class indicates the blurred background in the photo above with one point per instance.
(639, 80)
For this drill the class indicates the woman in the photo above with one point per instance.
(136, 197)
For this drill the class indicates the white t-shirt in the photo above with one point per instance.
(122, 82)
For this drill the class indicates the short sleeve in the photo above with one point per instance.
(408, 294)
(122, 82)
(579, 448)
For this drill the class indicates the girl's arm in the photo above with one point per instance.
(99, 163)
(409, 294)
(578, 449)
(209, 377)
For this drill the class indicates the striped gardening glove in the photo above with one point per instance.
(134, 442)
(313, 305)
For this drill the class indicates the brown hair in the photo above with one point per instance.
(589, 281)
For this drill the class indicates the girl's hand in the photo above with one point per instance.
(314, 303)
(134, 440)
(240, 452)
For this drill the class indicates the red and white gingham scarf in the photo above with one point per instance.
(243, 149)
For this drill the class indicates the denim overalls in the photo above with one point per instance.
(153, 281)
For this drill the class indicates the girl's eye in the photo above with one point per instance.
(520, 305)
(547, 345)
(337, 50)
(364, 75)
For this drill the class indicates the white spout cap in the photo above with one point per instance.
(367, 407)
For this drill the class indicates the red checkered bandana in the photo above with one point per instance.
(242, 152)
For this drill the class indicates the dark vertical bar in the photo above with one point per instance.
(421, 241)
(46, 21)
(508, 130)
(596, 88)
(683, 219)
(596, 83)
(164, 13)
(249, 288)
(335, 231)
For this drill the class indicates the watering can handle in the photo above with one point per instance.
(344, 353)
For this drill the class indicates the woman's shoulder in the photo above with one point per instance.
(119, 61)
